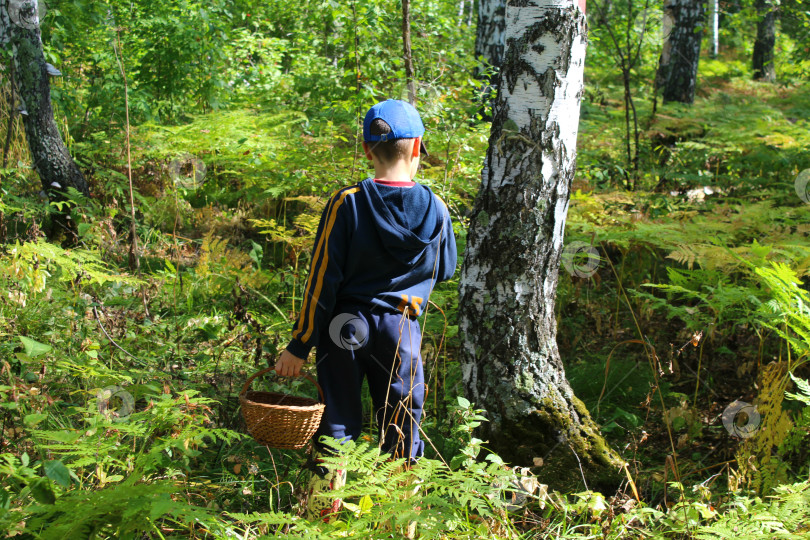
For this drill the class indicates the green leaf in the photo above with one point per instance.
(161, 506)
(31, 420)
(256, 254)
(34, 348)
(56, 471)
(463, 402)
(42, 491)
(67, 437)
(365, 503)
(494, 458)
(597, 504)
(353, 508)
(804, 390)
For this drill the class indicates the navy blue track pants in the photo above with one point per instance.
(383, 347)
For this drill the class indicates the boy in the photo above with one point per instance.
(380, 248)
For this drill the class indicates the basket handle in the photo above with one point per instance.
(307, 376)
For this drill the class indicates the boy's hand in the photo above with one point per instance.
(289, 365)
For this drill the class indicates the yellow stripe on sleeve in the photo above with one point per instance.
(299, 327)
(313, 301)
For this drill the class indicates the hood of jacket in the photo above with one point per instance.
(405, 242)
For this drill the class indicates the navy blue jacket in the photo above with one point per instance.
(371, 250)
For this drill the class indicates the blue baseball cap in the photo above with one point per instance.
(403, 119)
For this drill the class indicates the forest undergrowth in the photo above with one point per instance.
(688, 343)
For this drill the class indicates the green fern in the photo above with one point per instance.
(785, 514)
(804, 390)
(379, 498)
(28, 260)
(788, 313)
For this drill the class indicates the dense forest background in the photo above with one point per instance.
(211, 134)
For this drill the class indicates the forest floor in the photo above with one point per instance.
(669, 332)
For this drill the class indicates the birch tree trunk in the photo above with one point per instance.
(510, 361)
(462, 7)
(763, 56)
(682, 24)
(489, 41)
(715, 18)
(489, 36)
(19, 27)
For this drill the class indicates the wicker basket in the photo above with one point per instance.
(280, 420)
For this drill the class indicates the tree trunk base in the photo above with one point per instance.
(571, 450)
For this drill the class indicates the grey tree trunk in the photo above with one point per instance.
(406, 49)
(714, 15)
(763, 56)
(489, 36)
(682, 24)
(510, 361)
(19, 27)
(489, 39)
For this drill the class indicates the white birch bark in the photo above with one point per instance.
(510, 361)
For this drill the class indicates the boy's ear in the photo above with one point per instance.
(416, 143)
(367, 150)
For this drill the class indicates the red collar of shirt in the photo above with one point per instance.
(394, 183)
